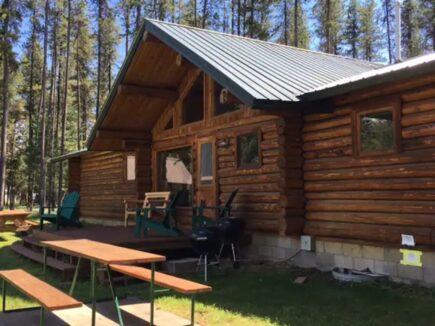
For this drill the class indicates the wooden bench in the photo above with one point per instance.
(166, 281)
(156, 199)
(47, 296)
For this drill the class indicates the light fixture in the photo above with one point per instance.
(224, 142)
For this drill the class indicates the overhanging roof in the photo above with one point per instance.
(414, 67)
(68, 156)
(262, 74)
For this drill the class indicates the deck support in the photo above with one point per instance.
(3, 295)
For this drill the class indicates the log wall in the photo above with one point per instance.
(372, 198)
(103, 186)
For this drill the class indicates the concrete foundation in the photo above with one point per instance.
(330, 254)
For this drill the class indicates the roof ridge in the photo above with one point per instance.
(375, 65)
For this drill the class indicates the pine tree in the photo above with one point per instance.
(327, 14)
(389, 23)
(352, 31)
(369, 32)
(299, 34)
(411, 29)
(429, 24)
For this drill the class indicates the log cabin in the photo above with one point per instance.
(338, 149)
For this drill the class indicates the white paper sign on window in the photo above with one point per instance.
(131, 167)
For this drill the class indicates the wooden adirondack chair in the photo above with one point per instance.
(152, 199)
(168, 226)
(199, 219)
(67, 214)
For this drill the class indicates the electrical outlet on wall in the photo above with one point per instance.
(307, 243)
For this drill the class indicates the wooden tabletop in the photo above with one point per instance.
(14, 213)
(102, 252)
(48, 296)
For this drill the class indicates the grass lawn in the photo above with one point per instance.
(266, 295)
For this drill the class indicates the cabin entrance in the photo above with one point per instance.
(206, 174)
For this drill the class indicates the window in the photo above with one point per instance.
(131, 167)
(220, 108)
(377, 130)
(170, 124)
(192, 108)
(174, 173)
(206, 166)
(248, 151)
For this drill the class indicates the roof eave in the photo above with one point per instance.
(375, 80)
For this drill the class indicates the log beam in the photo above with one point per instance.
(121, 134)
(151, 92)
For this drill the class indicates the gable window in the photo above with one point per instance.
(378, 130)
(248, 151)
(130, 167)
(192, 107)
(220, 108)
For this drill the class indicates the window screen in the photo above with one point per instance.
(377, 132)
(248, 151)
(206, 168)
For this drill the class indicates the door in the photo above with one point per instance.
(206, 173)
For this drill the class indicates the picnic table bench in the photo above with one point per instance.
(47, 296)
(164, 280)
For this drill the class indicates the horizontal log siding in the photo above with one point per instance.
(270, 198)
(374, 198)
(103, 186)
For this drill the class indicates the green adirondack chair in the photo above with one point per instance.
(167, 227)
(199, 218)
(67, 214)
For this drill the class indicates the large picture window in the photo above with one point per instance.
(174, 173)
(377, 130)
(248, 151)
(220, 108)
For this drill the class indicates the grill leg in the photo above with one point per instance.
(221, 249)
(205, 268)
(234, 252)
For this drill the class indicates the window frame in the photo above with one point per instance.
(126, 155)
(211, 141)
(259, 138)
(391, 104)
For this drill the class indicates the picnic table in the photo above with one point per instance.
(104, 254)
(12, 215)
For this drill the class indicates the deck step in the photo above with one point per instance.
(32, 241)
(19, 248)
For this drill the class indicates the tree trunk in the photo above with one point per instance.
(5, 105)
(65, 103)
(204, 13)
(387, 20)
(285, 23)
(296, 31)
(42, 109)
(100, 9)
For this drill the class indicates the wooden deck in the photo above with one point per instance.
(134, 312)
(116, 235)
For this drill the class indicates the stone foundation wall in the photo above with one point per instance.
(330, 254)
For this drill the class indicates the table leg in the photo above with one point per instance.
(76, 274)
(192, 311)
(114, 296)
(42, 317)
(94, 299)
(3, 295)
(153, 269)
(44, 263)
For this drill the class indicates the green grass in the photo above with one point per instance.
(266, 295)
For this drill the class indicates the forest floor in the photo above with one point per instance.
(265, 295)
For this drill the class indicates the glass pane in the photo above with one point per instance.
(248, 151)
(175, 173)
(377, 131)
(193, 105)
(206, 163)
(131, 167)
